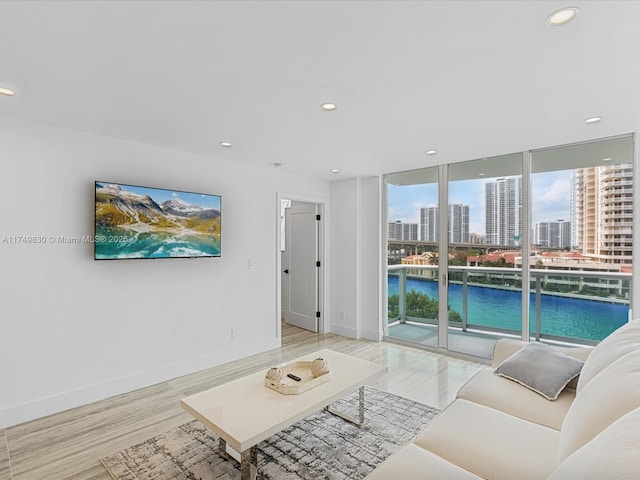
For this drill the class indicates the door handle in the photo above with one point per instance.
(286, 270)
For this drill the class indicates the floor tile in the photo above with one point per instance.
(5, 466)
(69, 445)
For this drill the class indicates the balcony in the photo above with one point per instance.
(570, 307)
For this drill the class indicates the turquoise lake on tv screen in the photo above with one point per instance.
(114, 243)
(560, 316)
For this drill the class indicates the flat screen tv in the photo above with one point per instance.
(143, 222)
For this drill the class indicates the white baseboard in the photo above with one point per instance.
(344, 331)
(64, 401)
(369, 334)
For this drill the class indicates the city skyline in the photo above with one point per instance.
(550, 193)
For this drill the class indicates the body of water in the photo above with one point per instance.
(560, 316)
(113, 243)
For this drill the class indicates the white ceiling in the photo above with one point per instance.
(471, 79)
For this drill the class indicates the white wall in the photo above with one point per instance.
(344, 257)
(74, 330)
(373, 265)
(355, 258)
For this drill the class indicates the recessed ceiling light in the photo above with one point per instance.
(562, 16)
(593, 120)
(607, 159)
(6, 91)
(335, 170)
(328, 106)
(481, 174)
(225, 144)
(431, 152)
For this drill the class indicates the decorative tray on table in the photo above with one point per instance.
(310, 374)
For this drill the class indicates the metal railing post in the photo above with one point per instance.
(538, 305)
(402, 295)
(465, 278)
(630, 299)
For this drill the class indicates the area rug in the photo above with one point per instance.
(321, 446)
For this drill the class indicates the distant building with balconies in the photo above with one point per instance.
(403, 231)
(556, 234)
(603, 210)
(503, 211)
(458, 223)
(562, 267)
(476, 238)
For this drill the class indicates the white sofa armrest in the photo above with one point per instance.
(503, 349)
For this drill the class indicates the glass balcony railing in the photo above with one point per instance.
(579, 307)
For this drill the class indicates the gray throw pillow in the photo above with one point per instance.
(540, 368)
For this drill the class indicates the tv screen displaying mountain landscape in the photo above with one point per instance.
(143, 222)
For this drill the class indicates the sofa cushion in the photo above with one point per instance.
(490, 443)
(622, 341)
(506, 347)
(610, 394)
(412, 462)
(510, 397)
(540, 368)
(614, 453)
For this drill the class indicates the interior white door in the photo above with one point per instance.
(300, 270)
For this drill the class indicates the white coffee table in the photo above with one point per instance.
(244, 412)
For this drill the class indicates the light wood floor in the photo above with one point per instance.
(69, 445)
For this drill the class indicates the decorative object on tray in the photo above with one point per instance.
(297, 377)
(274, 374)
(319, 367)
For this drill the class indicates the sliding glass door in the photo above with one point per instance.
(582, 240)
(412, 256)
(485, 229)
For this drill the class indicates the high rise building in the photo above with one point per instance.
(503, 211)
(403, 231)
(429, 224)
(476, 238)
(603, 212)
(458, 223)
(556, 234)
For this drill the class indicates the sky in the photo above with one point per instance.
(159, 195)
(550, 194)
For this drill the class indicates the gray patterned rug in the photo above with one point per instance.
(322, 446)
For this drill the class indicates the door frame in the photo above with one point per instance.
(324, 320)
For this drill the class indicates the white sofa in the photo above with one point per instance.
(498, 429)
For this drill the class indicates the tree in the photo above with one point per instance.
(393, 309)
(419, 305)
(459, 258)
